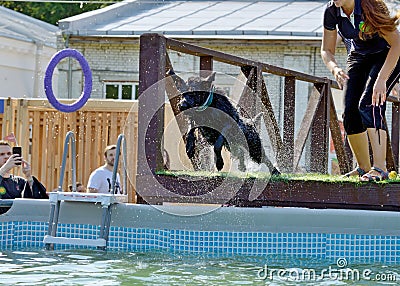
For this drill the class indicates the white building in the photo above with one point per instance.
(26, 47)
(282, 33)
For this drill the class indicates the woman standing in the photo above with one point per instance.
(373, 67)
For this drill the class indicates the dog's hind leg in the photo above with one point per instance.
(272, 169)
(261, 157)
(257, 152)
(241, 165)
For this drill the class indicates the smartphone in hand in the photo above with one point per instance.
(17, 150)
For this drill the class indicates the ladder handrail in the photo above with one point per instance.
(106, 200)
(68, 137)
(121, 138)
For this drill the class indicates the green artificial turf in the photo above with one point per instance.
(287, 178)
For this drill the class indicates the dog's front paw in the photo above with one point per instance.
(219, 162)
(190, 150)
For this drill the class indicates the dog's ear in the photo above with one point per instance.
(180, 84)
(169, 72)
(209, 78)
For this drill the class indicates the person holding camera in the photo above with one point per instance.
(11, 186)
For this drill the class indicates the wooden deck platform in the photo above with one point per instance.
(285, 193)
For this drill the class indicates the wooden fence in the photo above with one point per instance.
(40, 130)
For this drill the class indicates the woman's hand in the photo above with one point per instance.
(340, 76)
(13, 161)
(379, 92)
(26, 169)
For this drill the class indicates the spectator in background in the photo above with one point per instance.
(79, 188)
(100, 179)
(11, 186)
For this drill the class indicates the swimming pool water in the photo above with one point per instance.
(93, 267)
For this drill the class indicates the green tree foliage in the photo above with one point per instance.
(51, 12)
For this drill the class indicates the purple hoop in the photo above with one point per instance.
(48, 85)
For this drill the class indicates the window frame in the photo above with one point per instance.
(120, 84)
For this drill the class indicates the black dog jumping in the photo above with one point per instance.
(224, 122)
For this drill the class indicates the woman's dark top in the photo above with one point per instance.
(333, 19)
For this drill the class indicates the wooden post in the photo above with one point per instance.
(152, 63)
(247, 100)
(206, 65)
(343, 159)
(305, 126)
(287, 154)
(320, 133)
(395, 133)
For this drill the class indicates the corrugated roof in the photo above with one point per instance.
(199, 18)
(218, 18)
(24, 28)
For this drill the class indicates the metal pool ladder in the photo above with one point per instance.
(106, 200)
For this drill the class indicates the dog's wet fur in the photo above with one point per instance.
(194, 94)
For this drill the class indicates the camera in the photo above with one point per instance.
(17, 150)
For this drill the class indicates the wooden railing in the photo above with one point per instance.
(41, 130)
(320, 117)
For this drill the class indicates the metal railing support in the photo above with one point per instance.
(69, 137)
(120, 141)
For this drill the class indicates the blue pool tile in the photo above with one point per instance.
(353, 247)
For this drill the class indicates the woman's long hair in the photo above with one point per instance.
(377, 19)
